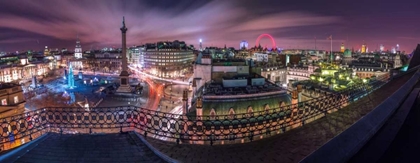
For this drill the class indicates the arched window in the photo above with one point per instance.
(231, 113)
(212, 113)
(250, 111)
(283, 104)
(266, 108)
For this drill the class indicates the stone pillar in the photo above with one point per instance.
(299, 90)
(294, 96)
(185, 102)
(124, 46)
(199, 108)
(194, 87)
(124, 76)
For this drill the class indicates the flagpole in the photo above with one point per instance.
(331, 48)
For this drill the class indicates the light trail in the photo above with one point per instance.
(158, 78)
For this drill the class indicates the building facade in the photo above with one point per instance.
(12, 101)
(167, 59)
(136, 56)
(104, 61)
(22, 71)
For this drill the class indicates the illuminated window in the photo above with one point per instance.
(16, 99)
(231, 113)
(212, 113)
(3, 102)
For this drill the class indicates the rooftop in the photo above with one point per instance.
(218, 89)
(8, 85)
(181, 45)
(125, 147)
(130, 147)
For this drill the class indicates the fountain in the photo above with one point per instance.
(70, 78)
(80, 74)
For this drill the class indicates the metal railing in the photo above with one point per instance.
(174, 127)
(181, 128)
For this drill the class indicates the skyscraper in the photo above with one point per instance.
(243, 45)
(201, 44)
(381, 48)
(394, 50)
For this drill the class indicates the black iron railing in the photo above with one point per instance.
(174, 127)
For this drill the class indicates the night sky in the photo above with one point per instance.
(33, 24)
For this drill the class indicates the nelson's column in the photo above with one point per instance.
(124, 86)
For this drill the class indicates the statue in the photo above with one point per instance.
(123, 22)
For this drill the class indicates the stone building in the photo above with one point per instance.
(229, 87)
(19, 69)
(103, 61)
(167, 59)
(12, 101)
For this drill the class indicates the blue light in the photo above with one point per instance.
(405, 68)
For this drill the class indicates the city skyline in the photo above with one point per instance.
(34, 25)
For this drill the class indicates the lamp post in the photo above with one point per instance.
(170, 94)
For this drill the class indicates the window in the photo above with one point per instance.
(250, 110)
(266, 108)
(3, 102)
(212, 113)
(16, 99)
(231, 113)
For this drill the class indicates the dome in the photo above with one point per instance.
(347, 53)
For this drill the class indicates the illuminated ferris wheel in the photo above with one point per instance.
(273, 43)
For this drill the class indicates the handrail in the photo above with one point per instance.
(346, 144)
(175, 127)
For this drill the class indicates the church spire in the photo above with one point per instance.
(78, 48)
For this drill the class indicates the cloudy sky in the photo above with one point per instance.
(33, 24)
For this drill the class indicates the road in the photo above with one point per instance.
(155, 91)
(158, 78)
